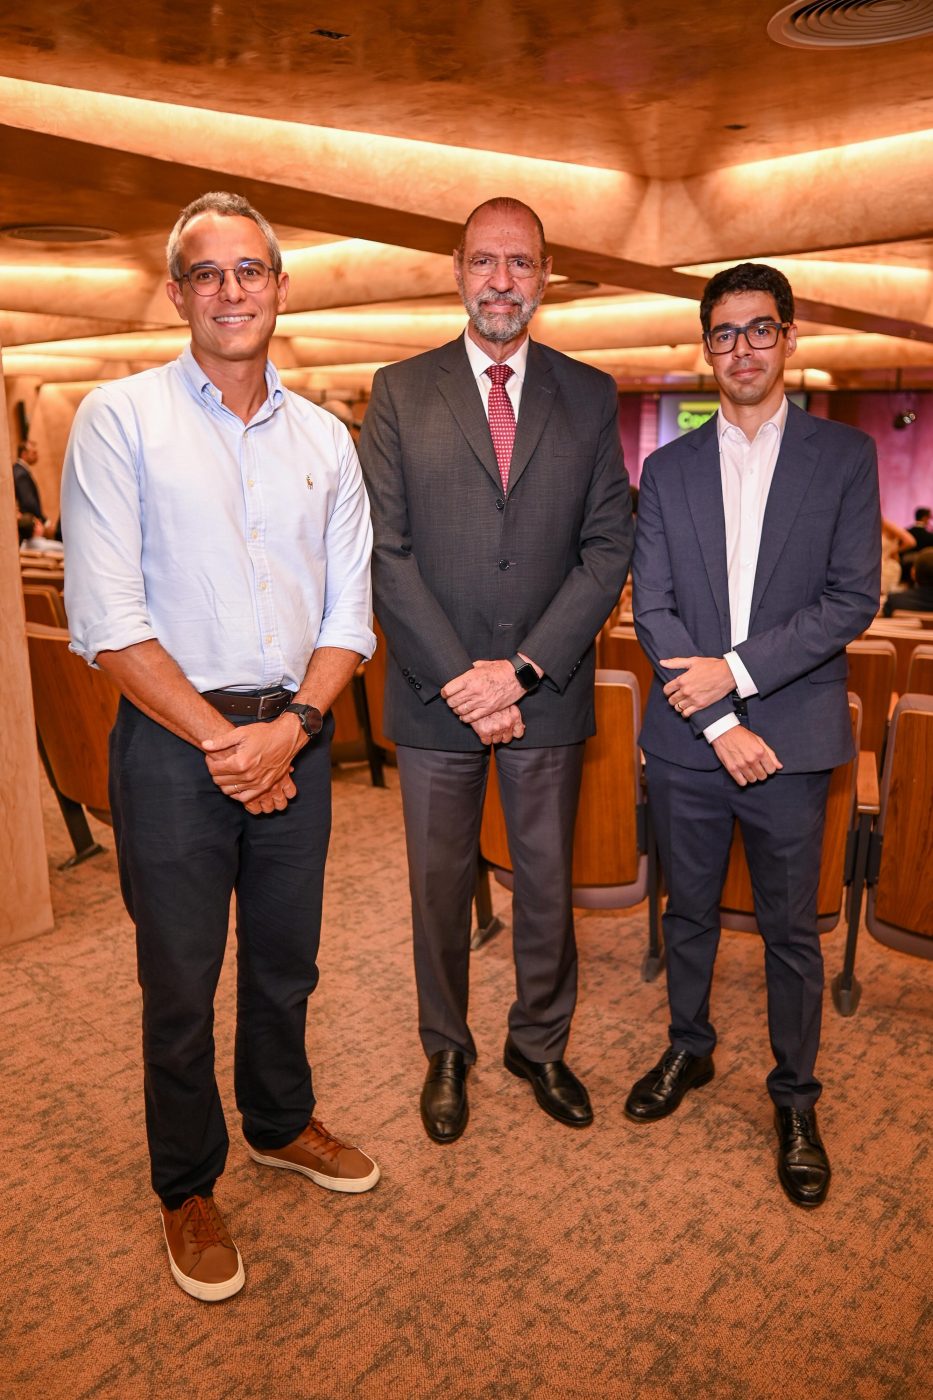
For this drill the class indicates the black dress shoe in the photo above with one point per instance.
(803, 1166)
(557, 1089)
(444, 1107)
(661, 1090)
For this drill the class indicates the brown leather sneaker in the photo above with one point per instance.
(328, 1161)
(203, 1258)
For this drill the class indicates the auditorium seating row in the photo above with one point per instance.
(877, 839)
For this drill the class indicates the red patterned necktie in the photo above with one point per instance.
(501, 419)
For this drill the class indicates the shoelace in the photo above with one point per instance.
(201, 1221)
(669, 1067)
(800, 1126)
(326, 1145)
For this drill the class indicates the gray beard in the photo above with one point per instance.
(497, 328)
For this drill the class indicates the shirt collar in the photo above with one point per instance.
(202, 386)
(479, 360)
(777, 421)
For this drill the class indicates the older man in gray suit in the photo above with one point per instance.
(503, 533)
(757, 561)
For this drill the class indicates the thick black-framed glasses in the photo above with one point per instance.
(206, 279)
(760, 335)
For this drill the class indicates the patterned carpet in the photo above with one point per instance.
(659, 1262)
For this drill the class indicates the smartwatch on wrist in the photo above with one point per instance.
(525, 673)
(310, 719)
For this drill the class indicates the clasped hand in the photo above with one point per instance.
(252, 763)
(484, 697)
(703, 681)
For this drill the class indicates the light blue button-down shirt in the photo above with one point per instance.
(239, 547)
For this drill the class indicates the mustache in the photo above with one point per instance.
(513, 298)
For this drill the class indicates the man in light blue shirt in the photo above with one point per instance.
(219, 540)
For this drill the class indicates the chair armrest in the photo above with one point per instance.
(866, 788)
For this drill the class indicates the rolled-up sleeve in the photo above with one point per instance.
(105, 595)
(348, 599)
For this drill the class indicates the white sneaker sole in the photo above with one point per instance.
(330, 1183)
(206, 1292)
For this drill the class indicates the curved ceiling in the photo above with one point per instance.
(656, 142)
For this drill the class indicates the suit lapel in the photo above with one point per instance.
(703, 489)
(793, 473)
(456, 382)
(538, 399)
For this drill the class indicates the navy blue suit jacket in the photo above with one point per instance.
(816, 588)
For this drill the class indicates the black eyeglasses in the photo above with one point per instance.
(760, 335)
(206, 279)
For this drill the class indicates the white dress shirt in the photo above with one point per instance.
(239, 547)
(479, 362)
(747, 470)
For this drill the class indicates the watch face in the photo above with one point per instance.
(527, 675)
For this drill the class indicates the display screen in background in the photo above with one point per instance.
(681, 413)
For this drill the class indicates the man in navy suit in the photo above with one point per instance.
(757, 559)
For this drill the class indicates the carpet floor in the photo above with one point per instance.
(657, 1262)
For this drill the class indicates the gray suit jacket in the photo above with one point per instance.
(462, 574)
(816, 587)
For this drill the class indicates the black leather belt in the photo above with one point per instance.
(255, 704)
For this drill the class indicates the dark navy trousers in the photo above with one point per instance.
(183, 850)
(781, 821)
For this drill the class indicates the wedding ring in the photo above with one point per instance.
(236, 787)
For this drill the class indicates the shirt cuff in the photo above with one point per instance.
(743, 681)
(719, 726)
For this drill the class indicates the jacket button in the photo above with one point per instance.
(406, 672)
(503, 564)
(417, 685)
(500, 503)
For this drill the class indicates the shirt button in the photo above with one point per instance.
(263, 586)
(250, 485)
(268, 638)
(503, 564)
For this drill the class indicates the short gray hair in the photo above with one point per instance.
(228, 205)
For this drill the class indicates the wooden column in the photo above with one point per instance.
(26, 906)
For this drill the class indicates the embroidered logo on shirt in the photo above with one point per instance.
(310, 483)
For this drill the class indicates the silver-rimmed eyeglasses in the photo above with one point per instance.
(485, 264)
(760, 335)
(206, 279)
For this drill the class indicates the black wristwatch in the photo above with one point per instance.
(525, 673)
(310, 719)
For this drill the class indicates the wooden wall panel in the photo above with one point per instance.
(26, 908)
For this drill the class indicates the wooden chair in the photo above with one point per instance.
(899, 858)
(613, 850)
(837, 864)
(374, 679)
(872, 669)
(75, 709)
(620, 650)
(353, 738)
(44, 604)
(903, 637)
(920, 671)
(55, 577)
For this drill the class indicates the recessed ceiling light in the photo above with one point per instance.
(735, 126)
(56, 233)
(328, 34)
